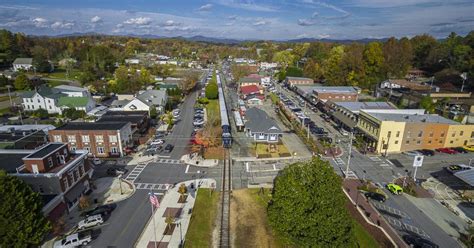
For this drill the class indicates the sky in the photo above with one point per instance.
(241, 19)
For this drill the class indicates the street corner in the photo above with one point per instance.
(194, 159)
(333, 152)
(111, 190)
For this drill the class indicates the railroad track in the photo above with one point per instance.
(224, 235)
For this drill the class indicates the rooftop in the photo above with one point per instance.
(70, 88)
(115, 125)
(299, 78)
(12, 159)
(414, 118)
(45, 150)
(152, 97)
(259, 121)
(334, 89)
(355, 107)
(249, 89)
(23, 61)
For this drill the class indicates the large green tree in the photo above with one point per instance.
(308, 206)
(374, 60)
(22, 223)
(332, 66)
(21, 82)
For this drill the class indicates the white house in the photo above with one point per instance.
(55, 100)
(145, 99)
(22, 64)
(261, 127)
(267, 66)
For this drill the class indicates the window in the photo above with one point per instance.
(50, 161)
(34, 168)
(49, 101)
(398, 134)
(49, 107)
(81, 170)
(85, 138)
(420, 133)
(408, 134)
(454, 134)
(39, 101)
(389, 134)
(407, 142)
(450, 142)
(71, 138)
(418, 142)
(65, 182)
(100, 150)
(73, 148)
(431, 134)
(440, 141)
(429, 141)
(76, 174)
(114, 150)
(88, 149)
(113, 138)
(396, 142)
(461, 133)
(99, 138)
(57, 138)
(442, 134)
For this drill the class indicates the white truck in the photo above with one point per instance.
(74, 240)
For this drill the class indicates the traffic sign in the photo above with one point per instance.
(418, 161)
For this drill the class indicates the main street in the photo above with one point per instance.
(131, 215)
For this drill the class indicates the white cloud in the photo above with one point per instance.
(306, 22)
(261, 22)
(205, 7)
(247, 5)
(140, 21)
(62, 25)
(40, 22)
(96, 19)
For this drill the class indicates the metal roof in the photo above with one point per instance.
(467, 176)
(356, 106)
(415, 118)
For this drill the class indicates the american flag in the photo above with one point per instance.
(154, 200)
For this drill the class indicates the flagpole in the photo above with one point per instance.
(153, 217)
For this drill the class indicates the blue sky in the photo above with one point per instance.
(241, 19)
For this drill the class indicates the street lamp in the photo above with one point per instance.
(120, 183)
(9, 95)
(180, 234)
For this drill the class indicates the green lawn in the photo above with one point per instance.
(202, 220)
(274, 98)
(212, 109)
(61, 74)
(364, 239)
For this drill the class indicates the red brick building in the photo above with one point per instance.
(59, 175)
(99, 139)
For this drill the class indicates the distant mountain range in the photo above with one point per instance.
(200, 38)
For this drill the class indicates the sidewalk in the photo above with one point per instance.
(195, 160)
(169, 206)
(371, 215)
(107, 191)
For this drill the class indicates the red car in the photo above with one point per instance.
(447, 150)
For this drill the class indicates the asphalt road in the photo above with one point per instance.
(127, 221)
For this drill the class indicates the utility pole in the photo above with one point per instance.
(9, 95)
(349, 154)
(464, 77)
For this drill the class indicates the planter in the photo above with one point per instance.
(169, 229)
(182, 198)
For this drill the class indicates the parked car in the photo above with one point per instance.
(74, 240)
(115, 171)
(169, 148)
(457, 167)
(157, 142)
(198, 122)
(426, 152)
(447, 150)
(460, 150)
(96, 161)
(469, 148)
(90, 221)
(418, 242)
(375, 196)
(102, 210)
(394, 189)
(129, 150)
(344, 132)
(413, 153)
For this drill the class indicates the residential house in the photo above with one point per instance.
(56, 99)
(261, 127)
(404, 83)
(22, 64)
(399, 130)
(100, 139)
(59, 175)
(146, 99)
(139, 120)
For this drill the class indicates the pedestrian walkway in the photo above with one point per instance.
(152, 186)
(169, 206)
(136, 172)
(339, 161)
(168, 161)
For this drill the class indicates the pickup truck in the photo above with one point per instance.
(74, 240)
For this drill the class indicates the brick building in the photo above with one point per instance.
(59, 175)
(100, 139)
(336, 93)
(293, 81)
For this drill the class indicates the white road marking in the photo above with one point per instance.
(152, 186)
(187, 169)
